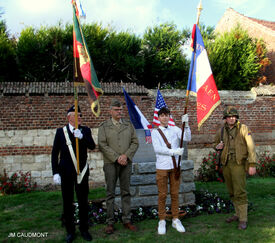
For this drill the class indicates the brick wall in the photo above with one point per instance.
(259, 29)
(28, 123)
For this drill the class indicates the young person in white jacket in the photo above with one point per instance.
(165, 170)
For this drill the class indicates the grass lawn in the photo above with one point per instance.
(38, 213)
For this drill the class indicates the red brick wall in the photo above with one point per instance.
(41, 112)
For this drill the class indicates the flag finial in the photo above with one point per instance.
(199, 9)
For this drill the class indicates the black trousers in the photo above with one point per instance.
(68, 185)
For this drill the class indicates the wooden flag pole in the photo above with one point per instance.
(76, 103)
(76, 127)
(199, 9)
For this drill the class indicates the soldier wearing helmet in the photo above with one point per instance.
(238, 156)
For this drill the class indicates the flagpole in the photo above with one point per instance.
(76, 105)
(199, 9)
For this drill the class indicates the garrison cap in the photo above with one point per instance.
(72, 109)
(115, 103)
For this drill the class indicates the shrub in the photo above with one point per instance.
(17, 183)
(266, 164)
(207, 170)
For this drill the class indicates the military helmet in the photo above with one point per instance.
(230, 111)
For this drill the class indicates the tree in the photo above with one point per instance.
(45, 54)
(8, 71)
(237, 59)
(165, 62)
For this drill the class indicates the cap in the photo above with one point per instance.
(115, 103)
(72, 109)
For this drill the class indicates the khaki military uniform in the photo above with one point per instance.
(115, 139)
(237, 155)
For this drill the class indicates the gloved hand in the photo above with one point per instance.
(78, 134)
(178, 151)
(185, 119)
(57, 179)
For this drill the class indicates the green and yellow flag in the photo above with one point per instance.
(84, 71)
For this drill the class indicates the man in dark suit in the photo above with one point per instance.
(64, 169)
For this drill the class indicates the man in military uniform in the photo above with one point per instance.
(64, 172)
(238, 156)
(118, 142)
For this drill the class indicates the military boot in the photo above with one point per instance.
(243, 217)
(235, 217)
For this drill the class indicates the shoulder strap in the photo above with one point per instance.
(222, 129)
(164, 138)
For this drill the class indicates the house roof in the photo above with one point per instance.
(268, 24)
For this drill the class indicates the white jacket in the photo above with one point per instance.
(163, 153)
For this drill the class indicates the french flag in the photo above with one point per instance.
(201, 82)
(137, 118)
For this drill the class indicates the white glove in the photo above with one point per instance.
(185, 119)
(178, 151)
(57, 179)
(78, 134)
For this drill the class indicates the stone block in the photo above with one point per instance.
(188, 198)
(149, 167)
(28, 141)
(4, 141)
(140, 201)
(187, 187)
(2, 134)
(35, 174)
(187, 175)
(34, 166)
(10, 133)
(145, 152)
(8, 159)
(42, 158)
(47, 173)
(187, 165)
(143, 179)
(15, 167)
(28, 159)
(32, 133)
(148, 190)
(17, 159)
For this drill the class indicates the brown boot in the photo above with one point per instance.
(109, 229)
(242, 225)
(130, 226)
(232, 219)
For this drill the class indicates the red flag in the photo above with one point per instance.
(201, 82)
(84, 69)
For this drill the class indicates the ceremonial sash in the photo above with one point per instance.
(69, 143)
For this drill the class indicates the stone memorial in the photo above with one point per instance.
(144, 190)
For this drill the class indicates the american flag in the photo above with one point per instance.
(159, 104)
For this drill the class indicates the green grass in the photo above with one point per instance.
(40, 212)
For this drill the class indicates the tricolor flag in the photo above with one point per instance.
(137, 118)
(201, 82)
(159, 104)
(84, 72)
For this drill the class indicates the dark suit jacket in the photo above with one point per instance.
(61, 158)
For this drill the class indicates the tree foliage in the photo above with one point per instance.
(8, 64)
(165, 62)
(236, 60)
(46, 54)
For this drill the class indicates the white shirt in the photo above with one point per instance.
(71, 128)
(163, 153)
